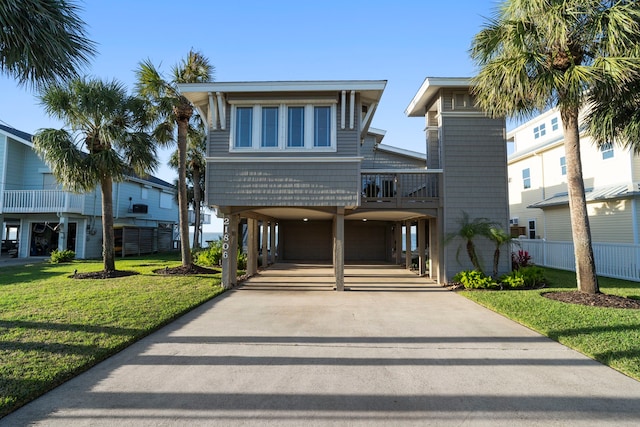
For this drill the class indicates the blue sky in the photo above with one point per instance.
(402, 41)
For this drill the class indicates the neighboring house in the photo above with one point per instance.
(301, 156)
(38, 215)
(539, 205)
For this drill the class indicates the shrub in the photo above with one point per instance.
(62, 256)
(530, 277)
(212, 256)
(474, 279)
(520, 259)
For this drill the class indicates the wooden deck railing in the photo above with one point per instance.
(400, 188)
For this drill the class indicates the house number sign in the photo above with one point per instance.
(225, 239)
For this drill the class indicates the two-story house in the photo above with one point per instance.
(539, 205)
(302, 156)
(38, 215)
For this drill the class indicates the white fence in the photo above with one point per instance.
(41, 201)
(618, 260)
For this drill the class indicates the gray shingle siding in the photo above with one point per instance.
(475, 179)
(273, 183)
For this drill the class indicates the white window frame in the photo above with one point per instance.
(555, 125)
(531, 229)
(563, 165)
(166, 200)
(526, 180)
(607, 151)
(283, 118)
(539, 131)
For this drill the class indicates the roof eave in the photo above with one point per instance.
(429, 89)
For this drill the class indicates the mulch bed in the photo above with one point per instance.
(103, 274)
(186, 270)
(594, 300)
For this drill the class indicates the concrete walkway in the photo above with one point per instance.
(285, 350)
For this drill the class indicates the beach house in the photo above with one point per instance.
(301, 160)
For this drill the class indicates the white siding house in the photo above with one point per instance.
(538, 202)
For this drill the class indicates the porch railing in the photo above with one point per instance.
(41, 201)
(400, 188)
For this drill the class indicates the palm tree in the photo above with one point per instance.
(470, 229)
(173, 113)
(537, 54)
(499, 237)
(195, 165)
(42, 41)
(103, 142)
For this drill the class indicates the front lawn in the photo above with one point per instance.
(53, 327)
(609, 335)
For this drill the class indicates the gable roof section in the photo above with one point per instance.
(16, 134)
(25, 138)
(429, 89)
(401, 152)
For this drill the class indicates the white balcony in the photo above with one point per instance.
(41, 201)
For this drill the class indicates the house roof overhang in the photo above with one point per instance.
(423, 100)
(600, 194)
(17, 135)
(198, 93)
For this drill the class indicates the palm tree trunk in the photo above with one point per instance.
(108, 251)
(196, 206)
(183, 202)
(473, 256)
(583, 251)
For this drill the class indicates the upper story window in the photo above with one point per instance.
(526, 178)
(244, 127)
(607, 151)
(287, 126)
(539, 131)
(554, 124)
(563, 165)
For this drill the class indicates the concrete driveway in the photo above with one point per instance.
(285, 350)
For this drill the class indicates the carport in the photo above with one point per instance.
(333, 237)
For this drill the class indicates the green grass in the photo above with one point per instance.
(53, 327)
(609, 335)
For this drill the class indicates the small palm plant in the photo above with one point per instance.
(469, 230)
(499, 237)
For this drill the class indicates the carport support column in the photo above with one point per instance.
(422, 229)
(265, 240)
(252, 246)
(434, 259)
(63, 234)
(407, 243)
(272, 241)
(230, 251)
(338, 248)
(398, 242)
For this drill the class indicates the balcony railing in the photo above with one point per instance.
(41, 201)
(401, 189)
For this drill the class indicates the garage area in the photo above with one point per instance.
(312, 240)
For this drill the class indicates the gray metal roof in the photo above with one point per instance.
(591, 195)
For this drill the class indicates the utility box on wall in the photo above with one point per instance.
(140, 208)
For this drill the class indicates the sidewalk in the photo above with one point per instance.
(285, 350)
